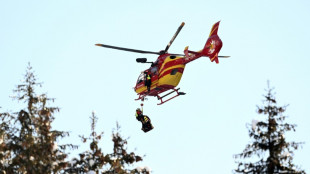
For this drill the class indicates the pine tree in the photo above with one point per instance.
(268, 139)
(6, 132)
(93, 160)
(31, 144)
(121, 159)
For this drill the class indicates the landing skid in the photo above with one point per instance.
(141, 97)
(173, 90)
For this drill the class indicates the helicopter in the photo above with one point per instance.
(166, 72)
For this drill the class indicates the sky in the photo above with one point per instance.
(201, 131)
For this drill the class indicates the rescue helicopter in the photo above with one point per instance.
(166, 72)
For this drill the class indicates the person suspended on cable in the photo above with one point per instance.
(139, 114)
(144, 119)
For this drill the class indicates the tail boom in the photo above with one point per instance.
(211, 48)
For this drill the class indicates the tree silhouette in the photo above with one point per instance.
(120, 158)
(29, 145)
(268, 139)
(6, 132)
(95, 162)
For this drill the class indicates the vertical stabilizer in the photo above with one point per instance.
(214, 29)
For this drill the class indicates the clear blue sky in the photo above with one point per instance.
(267, 40)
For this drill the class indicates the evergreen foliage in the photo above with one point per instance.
(27, 142)
(268, 139)
(94, 161)
(120, 158)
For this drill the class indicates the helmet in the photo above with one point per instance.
(138, 109)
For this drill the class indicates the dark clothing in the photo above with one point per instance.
(139, 117)
(145, 120)
(146, 124)
(148, 82)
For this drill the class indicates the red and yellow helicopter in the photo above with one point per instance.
(166, 72)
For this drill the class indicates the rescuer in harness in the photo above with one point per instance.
(145, 120)
(148, 80)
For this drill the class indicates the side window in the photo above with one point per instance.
(154, 70)
(174, 71)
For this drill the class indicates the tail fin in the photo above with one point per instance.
(213, 44)
(214, 29)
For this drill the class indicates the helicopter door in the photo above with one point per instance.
(154, 72)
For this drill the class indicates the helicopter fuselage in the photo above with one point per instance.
(166, 74)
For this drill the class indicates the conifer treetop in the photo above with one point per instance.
(268, 141)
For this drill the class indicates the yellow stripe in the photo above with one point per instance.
(173, 67)
(154, 83)
(146, 119)
(213, 57)
(168, 60)
(144, 88)
(213, 30)
(172, 80)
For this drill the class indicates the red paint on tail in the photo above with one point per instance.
(211, 48)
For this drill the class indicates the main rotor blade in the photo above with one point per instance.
(224, 56)
(127, 49)
(175, 35)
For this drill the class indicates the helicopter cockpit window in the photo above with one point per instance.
(141, 78)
